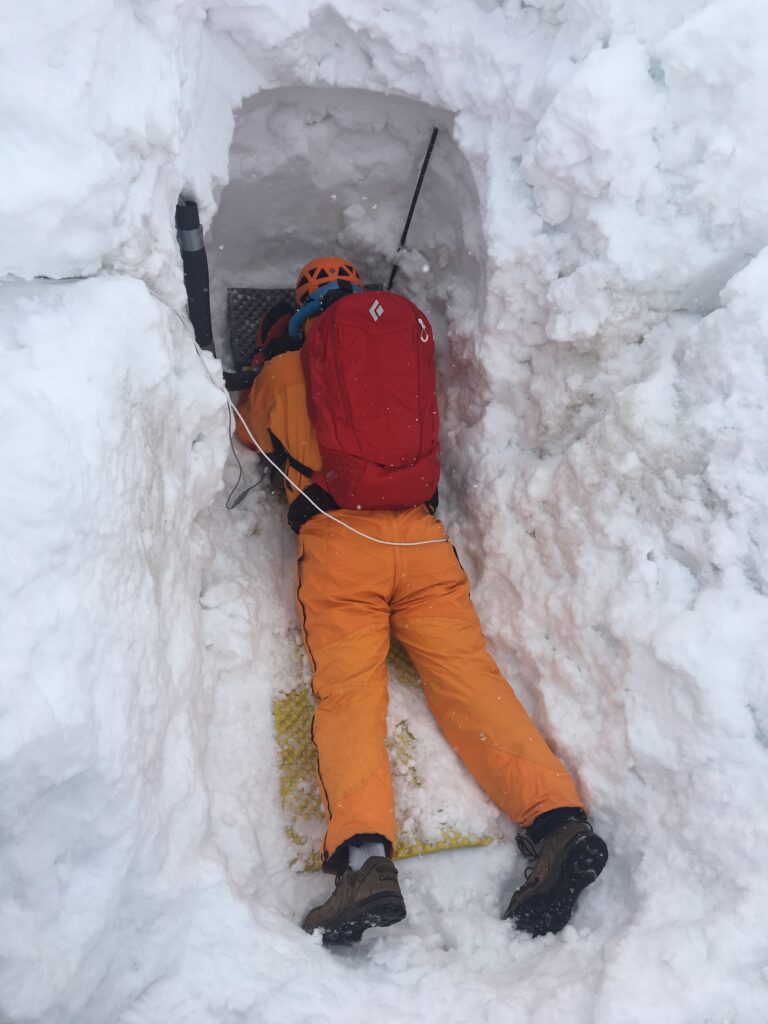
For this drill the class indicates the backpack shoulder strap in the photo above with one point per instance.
(278, 346)
(281, 454)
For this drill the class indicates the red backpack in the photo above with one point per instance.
(369, 364)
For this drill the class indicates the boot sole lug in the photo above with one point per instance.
(551, 911)
(378, 911)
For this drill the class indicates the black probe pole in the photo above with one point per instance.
(195, 263)
(425, 164)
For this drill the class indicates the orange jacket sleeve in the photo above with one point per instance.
(276, 413)
(256, 410)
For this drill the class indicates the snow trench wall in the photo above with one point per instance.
(604, 414)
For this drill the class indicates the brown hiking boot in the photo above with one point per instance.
(566, 862)
(367, 898)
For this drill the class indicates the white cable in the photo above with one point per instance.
(376, 540)
(365, 536)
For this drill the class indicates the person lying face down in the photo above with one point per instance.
(345, 405)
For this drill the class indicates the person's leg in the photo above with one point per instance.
(343, 605)
(433, 616)
(476, 708)
(344, 586)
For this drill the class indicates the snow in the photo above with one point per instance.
(591, 246)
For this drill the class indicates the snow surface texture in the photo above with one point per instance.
(591, 242)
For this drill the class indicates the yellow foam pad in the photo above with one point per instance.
(305, 819)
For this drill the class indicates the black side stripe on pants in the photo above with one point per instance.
(299, 561)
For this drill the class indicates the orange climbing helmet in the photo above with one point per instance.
(324, 270)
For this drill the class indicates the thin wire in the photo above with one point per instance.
(241, 471)
(231, 405)
(229, 503)
(366, 536)
(237, 460)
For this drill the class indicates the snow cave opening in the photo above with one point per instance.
(332, 170)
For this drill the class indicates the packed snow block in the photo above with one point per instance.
(425, 826)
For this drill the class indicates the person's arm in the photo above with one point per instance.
(256, 410)
(257, 407)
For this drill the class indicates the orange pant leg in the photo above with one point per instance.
(477, 710)
(345, 584)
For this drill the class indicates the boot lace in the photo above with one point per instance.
(528, 849)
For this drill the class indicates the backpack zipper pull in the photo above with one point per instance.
(424, 336)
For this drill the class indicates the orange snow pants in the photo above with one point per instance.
(352, 593)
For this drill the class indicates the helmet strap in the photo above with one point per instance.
(309, 309)
(337, 285)
(316, 303)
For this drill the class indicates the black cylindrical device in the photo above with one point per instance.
(195, 262)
